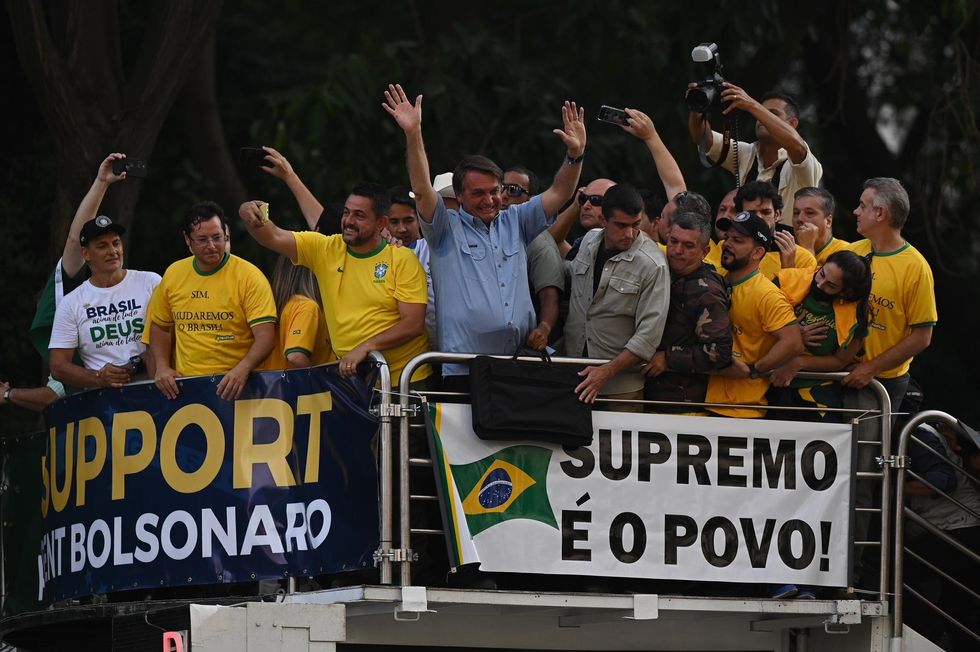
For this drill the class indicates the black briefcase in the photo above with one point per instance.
(520, 400)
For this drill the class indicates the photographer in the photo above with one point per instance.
(779, 154)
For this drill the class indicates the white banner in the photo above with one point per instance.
(654, 496)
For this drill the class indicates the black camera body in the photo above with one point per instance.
(705, 97)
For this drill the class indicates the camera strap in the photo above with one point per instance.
(726, 143)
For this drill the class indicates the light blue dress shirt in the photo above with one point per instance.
(483, 303)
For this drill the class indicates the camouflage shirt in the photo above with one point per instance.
(697, 337)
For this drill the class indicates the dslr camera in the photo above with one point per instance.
(705, 97)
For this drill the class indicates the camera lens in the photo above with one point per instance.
(701, 98)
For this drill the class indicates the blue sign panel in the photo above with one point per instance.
(140, 491)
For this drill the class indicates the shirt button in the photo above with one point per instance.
(510, 323)
(506, 304)
(501, 285)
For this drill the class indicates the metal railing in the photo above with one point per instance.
(883, 444)
(902, 513)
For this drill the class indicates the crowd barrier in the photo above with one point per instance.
(127, 490)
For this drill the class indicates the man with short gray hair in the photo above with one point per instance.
(903, 299)
(697, 335)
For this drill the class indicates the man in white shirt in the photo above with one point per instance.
(779, 155)
(102, 320)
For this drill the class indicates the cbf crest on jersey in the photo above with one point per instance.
(380, 270)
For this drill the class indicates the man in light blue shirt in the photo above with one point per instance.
(479, 253)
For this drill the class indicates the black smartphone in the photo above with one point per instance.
(613, 115)
(252, 157)
(133, 167)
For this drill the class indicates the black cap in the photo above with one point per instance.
(750, 224)
(99, 226)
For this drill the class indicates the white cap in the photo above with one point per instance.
(443, 184)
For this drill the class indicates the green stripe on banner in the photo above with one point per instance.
(445, 475)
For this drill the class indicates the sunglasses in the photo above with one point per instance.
(513, 190)
(595, 200)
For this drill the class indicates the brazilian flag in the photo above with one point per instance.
(511, 483)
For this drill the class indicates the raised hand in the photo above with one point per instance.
(280, 165)
(573, 133)
(105, 169)
(640, 125)
(407, 115)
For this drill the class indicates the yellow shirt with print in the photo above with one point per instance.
(212, 313)
(758, 309)
(833, 246)
(303, 328)
(363, 291)
(903, 297)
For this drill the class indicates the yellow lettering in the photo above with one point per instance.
(59, 497)
(214, 452)
(123, 464)
(89, 428)
(313, 405)
(272, 454)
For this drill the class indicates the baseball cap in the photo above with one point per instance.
(443, 184)
(99, 226)
(750, 224)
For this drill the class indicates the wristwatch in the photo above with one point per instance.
(753, 372)
(6, 394)
(574, 161)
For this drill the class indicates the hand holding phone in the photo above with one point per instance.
(133, 167)
(253, 157)
(613, 115)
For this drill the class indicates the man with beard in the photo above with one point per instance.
(376, 293)
(831, 303)
(697, 336)
(765, 332)
(619, 301)
(761, 198)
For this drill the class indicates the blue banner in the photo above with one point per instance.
(140, 491)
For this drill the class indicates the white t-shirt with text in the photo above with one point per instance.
(105, 324)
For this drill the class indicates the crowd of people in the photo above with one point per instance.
(687, 304)
(695, 310)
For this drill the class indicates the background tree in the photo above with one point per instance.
(887, 88)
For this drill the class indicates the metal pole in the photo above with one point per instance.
(899, 561)
(885, 404)
(385, 471)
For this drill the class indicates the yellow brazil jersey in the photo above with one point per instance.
(713, 257)
(902, 298)
(363, 291)
(302, 328)
(212, 313)
(758, 310)
(833, 246)
(770, 264)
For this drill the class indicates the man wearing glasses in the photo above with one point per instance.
(479, 253)
(587, 209)
(216, 309)
(546, 272)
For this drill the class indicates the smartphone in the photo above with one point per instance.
(613, 115)
(133, 167)
(252, 157)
